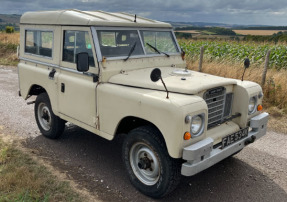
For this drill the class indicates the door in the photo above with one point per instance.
(77, 91)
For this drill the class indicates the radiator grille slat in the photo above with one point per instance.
(219, 105)
(228, 104)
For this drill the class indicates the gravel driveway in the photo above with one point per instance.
(258, 173)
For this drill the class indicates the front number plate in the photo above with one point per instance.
(234, 137)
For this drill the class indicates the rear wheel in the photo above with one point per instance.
(50, 125)
(151, 170)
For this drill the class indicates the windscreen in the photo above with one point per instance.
(117, 43)
(163, 41)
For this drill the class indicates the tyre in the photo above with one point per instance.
(150, 168)
(50, 125)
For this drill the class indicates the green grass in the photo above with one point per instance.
(8, 54)
(22, 179)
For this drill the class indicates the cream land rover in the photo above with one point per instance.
(116, 73)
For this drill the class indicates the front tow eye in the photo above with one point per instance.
(251, 140)
(144, 163)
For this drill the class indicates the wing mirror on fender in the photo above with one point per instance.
(155, 75)
(246, 65)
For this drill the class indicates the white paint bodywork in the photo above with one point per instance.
(124, 89)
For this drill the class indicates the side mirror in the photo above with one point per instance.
(82, 60)
(246, 63)
(155, 75)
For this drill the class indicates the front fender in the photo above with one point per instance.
(116, 102)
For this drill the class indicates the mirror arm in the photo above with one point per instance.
(165, 88)
(243, 74)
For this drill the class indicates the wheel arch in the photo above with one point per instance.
(129, 123)
(36, 90)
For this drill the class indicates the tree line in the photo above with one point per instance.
(213, 30)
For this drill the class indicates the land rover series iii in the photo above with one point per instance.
(116, 73)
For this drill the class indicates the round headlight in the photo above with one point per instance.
(196, 124)
(252, 105)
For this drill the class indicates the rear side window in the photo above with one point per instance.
(39, 42)
(77, 42)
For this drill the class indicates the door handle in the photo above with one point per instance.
(62, 87)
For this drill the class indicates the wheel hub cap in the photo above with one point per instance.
(44, 116)
(145, 163)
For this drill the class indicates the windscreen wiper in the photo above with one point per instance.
(131, 51)
(156, 50)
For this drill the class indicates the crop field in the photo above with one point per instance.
(235, 52)
(258, 32)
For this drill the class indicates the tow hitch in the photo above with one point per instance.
(251, 140)
(32, 102)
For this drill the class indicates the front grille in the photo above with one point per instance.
(219, 105)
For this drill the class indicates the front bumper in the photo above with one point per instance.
(201, 155)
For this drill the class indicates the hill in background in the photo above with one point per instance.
(9, 20)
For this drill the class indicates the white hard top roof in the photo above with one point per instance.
(87, 18)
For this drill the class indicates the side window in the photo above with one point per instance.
(77, 42)
(39, 42)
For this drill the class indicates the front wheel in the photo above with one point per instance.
(50, 125)
(151, 170)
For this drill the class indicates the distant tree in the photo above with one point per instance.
(9, 29)
(222, 31)
(215, 30)
(183, 35)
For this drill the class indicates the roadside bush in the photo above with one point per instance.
(9, 29)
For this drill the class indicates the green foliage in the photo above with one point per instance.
(190, 28)
(8, 47)
(9, 29)
(237, 52)
(183, 35)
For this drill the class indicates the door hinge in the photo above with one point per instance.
(52, 74)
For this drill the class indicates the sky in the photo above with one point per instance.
(244, 12)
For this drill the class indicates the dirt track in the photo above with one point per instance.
(258, 173)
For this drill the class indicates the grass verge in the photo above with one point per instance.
(8, 49)
(22, 179)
